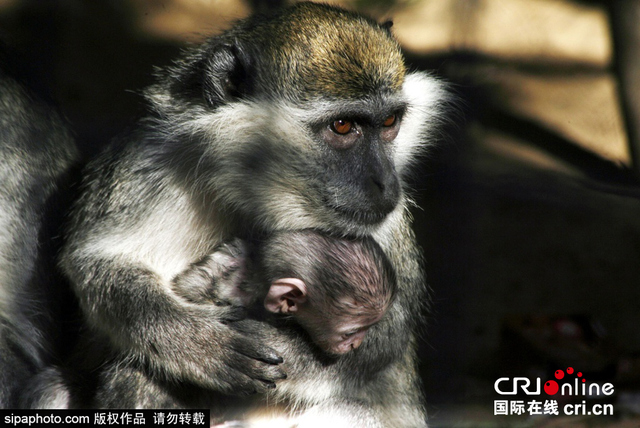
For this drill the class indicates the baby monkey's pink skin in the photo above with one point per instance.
(335, 334)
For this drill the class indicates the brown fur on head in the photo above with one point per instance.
(321, 51)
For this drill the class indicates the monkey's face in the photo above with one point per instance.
(329, 166)
(360, 183)
(337, 335)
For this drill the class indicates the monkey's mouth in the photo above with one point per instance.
(358, 206)
(362, 216)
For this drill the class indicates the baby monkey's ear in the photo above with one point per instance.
(285, 295)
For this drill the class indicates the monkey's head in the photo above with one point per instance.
(335, 288)
(305, 119)
(336, 326)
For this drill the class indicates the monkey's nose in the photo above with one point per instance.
(382, 191)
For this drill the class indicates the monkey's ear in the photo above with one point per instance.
(386, 26)
(226, 75)
(218, 75)
(285, 295)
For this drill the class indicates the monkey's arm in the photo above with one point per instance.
(218, 278)
(199, 343)
(130, 234)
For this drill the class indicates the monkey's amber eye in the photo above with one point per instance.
(389, 121)
(341, 126)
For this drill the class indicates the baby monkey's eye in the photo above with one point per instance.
(389, 121)
(342, 126)
(348, 335)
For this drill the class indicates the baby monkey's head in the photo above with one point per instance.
(335, 288)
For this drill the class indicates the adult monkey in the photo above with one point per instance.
(37, 155)
(307, 119)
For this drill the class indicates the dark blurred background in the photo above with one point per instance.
(528, 201)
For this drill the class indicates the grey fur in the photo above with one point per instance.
(230, 151)
(36, 153)
(48, 389)
(221, 278)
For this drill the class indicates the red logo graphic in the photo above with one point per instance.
(551, 386)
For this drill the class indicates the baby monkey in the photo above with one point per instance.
(334, 288)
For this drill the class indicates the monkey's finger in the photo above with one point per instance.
(242, 377)
(239, 384)
(268, 374)
(250, 340)
(262, 376)
(252, 348)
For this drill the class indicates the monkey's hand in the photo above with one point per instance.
(217, 278)
(215, 348)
